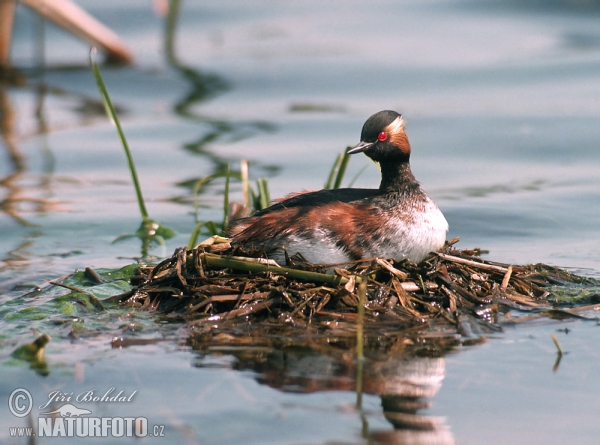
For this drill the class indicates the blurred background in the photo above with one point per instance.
(502, 107)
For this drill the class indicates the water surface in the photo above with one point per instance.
(502, 104)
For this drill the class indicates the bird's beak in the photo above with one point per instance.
(362, 146)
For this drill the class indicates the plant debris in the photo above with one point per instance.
(453, 292)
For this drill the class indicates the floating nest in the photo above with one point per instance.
(453, 292)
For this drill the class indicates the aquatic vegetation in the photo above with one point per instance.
(230, 298)
(454, 294)
(149, 230)
(452, 298)
(33, 353)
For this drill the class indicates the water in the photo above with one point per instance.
(502, 108)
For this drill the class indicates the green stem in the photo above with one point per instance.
(112, 114)
(333, 171)
(250, 266)
(263, 193)
(362, 293)
(360, 355)
(170, 26)
(342, 169)
(226, 202)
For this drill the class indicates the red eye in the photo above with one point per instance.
(382, 136)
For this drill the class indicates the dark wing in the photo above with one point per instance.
(297, 204)
(320, 197)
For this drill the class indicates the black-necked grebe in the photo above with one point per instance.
(398, 220)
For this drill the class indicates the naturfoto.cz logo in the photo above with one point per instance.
(70, 420)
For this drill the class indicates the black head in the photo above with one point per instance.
(383, 138)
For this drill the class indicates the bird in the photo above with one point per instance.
(396, 221)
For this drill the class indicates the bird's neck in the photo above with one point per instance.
(396, 176)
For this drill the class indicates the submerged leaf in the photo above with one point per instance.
(34, 354)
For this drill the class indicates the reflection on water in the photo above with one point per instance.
(204, 86)
(18, 199)
(403, 374)
(493, 189)
(23, 195)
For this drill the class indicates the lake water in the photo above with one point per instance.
(502, 104)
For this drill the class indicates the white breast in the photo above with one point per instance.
(415, 237)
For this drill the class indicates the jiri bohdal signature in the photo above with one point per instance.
(92, 395)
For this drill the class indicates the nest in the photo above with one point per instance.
(452, 292)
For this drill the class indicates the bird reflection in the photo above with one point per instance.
(404, 377)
